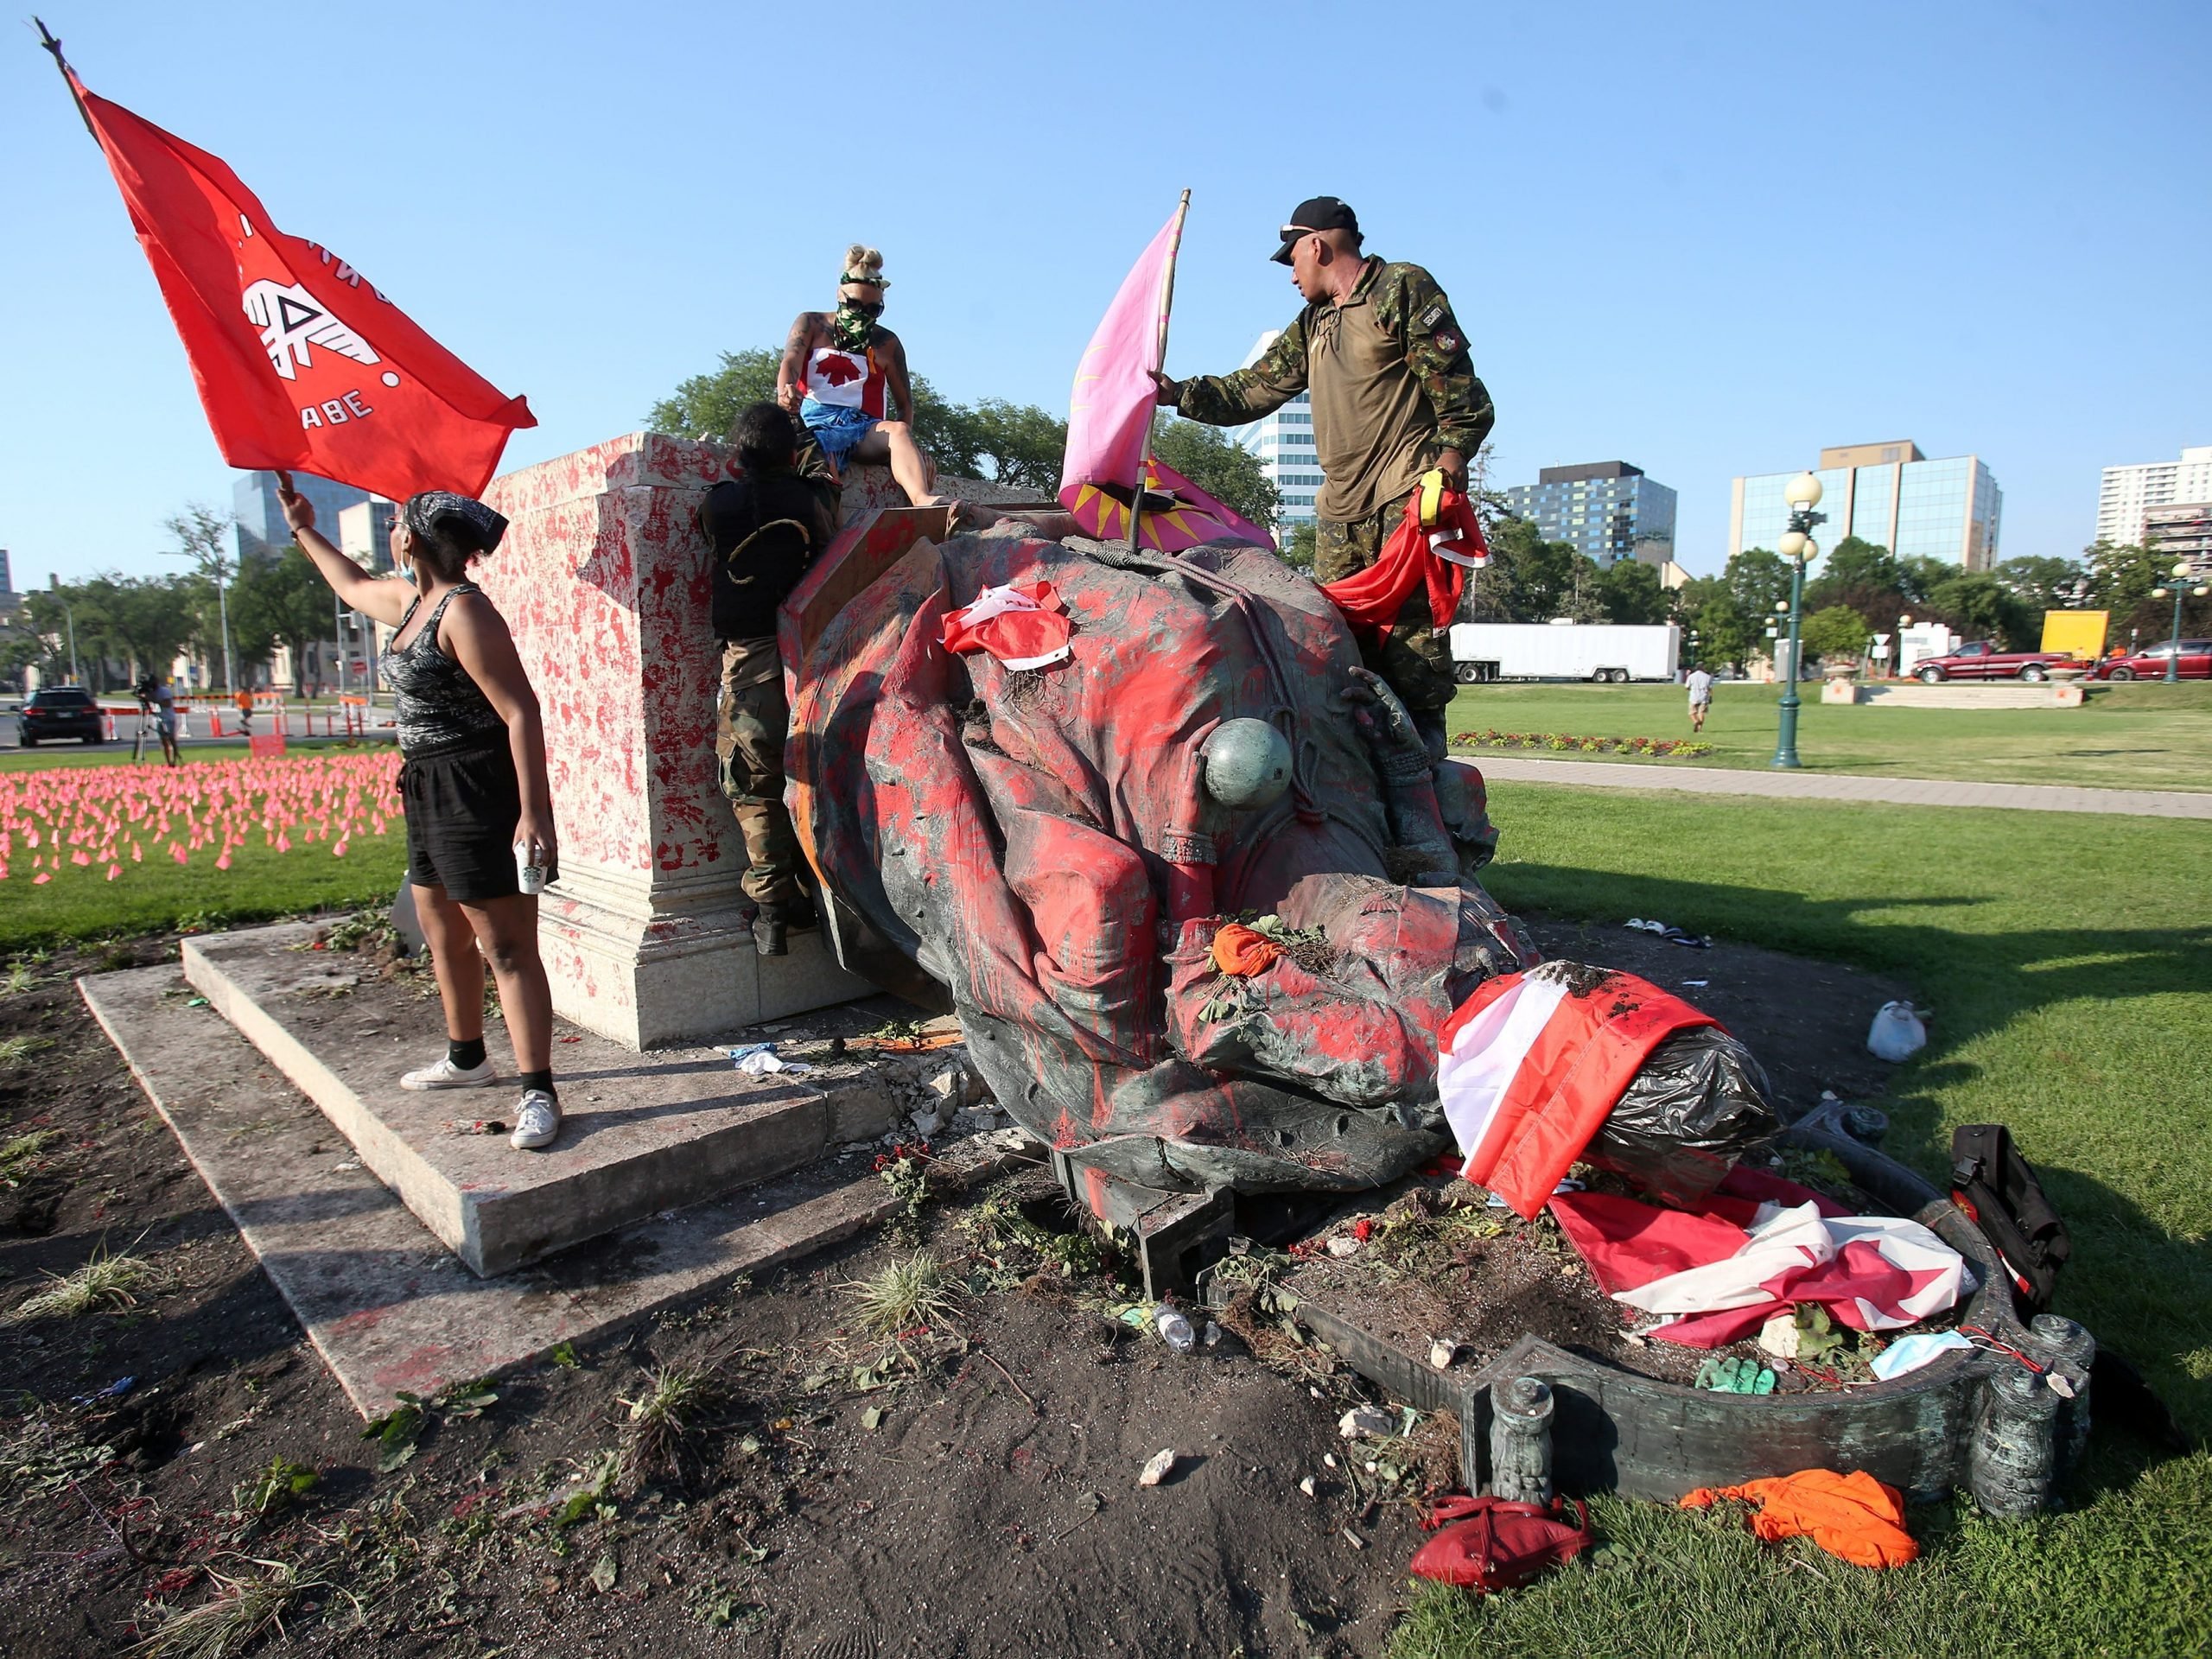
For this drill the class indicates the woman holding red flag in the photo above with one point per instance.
(479, 808)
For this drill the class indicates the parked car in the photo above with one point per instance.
(2150, 663)
(1979, 659)
(60, 711)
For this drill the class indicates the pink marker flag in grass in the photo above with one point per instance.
(1110, 422)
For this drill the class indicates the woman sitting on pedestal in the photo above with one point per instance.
(480, 813)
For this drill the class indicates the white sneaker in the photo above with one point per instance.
(537, 1120)
(446, 1075)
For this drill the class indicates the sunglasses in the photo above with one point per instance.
(866, 307)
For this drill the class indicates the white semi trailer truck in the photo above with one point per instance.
(1618, 651)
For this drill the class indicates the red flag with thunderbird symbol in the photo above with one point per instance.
(301, 364)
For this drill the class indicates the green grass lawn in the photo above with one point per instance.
(158, 893)
(2070, 962)
(2140, 736)
(118, 754)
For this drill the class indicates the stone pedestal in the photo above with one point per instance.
(603, 578)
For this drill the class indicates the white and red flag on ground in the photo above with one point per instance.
(301, 364)
(1528, 1070)
(1110, 422)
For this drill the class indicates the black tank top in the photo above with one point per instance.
(436, 705)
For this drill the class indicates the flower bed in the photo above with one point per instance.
(1567, 743)
(104, 823)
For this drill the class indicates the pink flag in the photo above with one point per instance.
(1109, 421)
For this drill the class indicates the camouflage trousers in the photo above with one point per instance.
(751, 720)
(1416, 660)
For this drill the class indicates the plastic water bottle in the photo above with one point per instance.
(529, 877)
(1174, 1330)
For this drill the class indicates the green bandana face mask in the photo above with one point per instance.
(850, 330)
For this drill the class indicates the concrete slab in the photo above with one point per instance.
(642, 1133)
(384, 1303)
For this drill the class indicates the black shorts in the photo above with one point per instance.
(463, 806)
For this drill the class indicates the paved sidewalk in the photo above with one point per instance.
(1840, 787)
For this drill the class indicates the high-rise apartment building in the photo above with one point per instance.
(2181, 531)
(1886, 494)
(1607, 509)
(1284, 443)
(2125, 494)
(260, 520)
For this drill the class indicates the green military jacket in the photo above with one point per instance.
(1391, 385)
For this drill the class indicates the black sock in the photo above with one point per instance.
(466, 1055)
(539, 1080)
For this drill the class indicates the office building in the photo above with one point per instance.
(261, 527)
(1607, 509)
(1887, 493)
(1284, 443)
(2126, 494)
(365, 534)
(2181, 531)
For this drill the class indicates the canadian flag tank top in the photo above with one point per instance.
(844, 379)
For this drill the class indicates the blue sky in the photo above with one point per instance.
(1704, 239)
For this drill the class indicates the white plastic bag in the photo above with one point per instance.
(1897, 1033)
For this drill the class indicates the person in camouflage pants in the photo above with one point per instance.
(1394, 394)
(764, 529)
(751, 718)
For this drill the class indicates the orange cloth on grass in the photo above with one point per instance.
(1854, 1516)
(1237, 949)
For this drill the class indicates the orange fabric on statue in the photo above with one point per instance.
(1238, 950)
(1854, 1516)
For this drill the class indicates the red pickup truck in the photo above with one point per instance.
(1978, 659)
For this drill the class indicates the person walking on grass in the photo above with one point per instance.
(1701, 685)
(473, 780)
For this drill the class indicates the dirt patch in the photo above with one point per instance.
(990, 1508)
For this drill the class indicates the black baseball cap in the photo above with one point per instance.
(1316, 214)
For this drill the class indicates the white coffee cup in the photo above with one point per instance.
(529, 877)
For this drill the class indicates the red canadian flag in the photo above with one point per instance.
(302, 364)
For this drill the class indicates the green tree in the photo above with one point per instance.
(2044, 584)
(1854, 562)
(1836, 632)
(281, 600)
(1919, 576)
(1975, 604)
(1757, 579)
(1298, 547)
(706, 405)
(142, 620)
(1726, 632)
(2121, 575)
(1022, 444)
(1230, 474)
(1860, 574)
(204, 537)
(46, 624)
(1630, 591)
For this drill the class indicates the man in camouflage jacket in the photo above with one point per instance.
(1394, 394)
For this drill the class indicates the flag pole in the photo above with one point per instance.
(1151, 414)
(60, 63)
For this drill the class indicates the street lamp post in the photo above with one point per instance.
(2181, 577)
(1802, 493)
(1897, 661)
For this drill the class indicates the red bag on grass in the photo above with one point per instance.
(1488, 1543)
